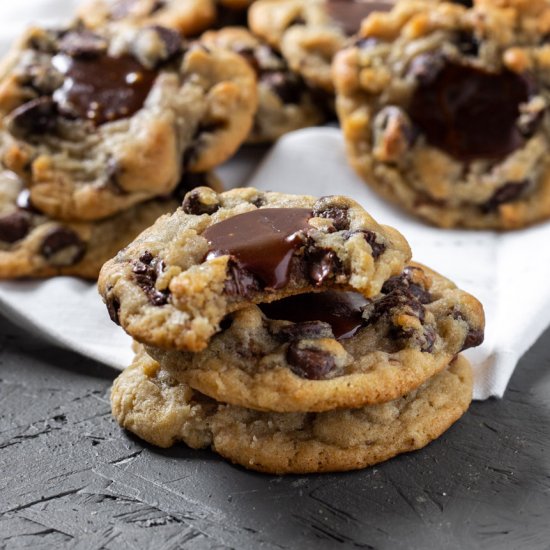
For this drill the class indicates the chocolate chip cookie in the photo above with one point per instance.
(162, 410)
(218, 253)
(335, 349)
(97, 122)
(310, 32)
(188, 17)
(35, 245)
(445, 110)
(285, 103)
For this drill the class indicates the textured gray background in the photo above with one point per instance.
(70, 478)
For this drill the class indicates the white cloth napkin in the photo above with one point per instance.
(508, 272)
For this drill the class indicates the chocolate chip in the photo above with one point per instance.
(467, 43)
(429, 337)
(309, 330)
(258, 201)
(393, 133)
(193, 204)
(309, 363)
(338, 215)
(171, 39)
(424, 68)
(405, 283)
(465, 3)
(113, 307)
(249, 55)
(36, 117)
(240, 282)
(322, 265)
(286, 85)
(82, 43)
(376, 247)
(63, 247)
(509, 192)
(470, 113)
(146, 272)
(474, 338)
(14, 227)
(403, 301)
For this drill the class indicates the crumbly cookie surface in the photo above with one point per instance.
(171, 287)
(188, 17)
(97, 122)
(310, 32)
(444, 109)
(285, 103)
(162, 410)
(35, 245)
(296, 355)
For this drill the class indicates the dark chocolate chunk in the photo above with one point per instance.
(309, 363)
(192, 204)
(474, 338)
(286, 85)
(342, 311)
(403, 301)
(465, 3)
(307, 330)
(263, 241)
(509, 192)
(113, 307)
(63, 247)
(470, 113)
(102, 89)
(146, 272)
(82, 43)
(322, 265)
(467, 43)
(36, 117)
(425, 68)
(249, 55)
(429, 337)
(371, 238)
(171, 39)
(258, 201)
(240, 282)
(348, 14)
(394, 131)
(405, 283)
(338, 215)
(14, 227)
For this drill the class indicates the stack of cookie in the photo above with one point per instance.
(288, 333)
(102, 132)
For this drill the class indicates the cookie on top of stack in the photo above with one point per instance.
(290, 334)
(102, 132)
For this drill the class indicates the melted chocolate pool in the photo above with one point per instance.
(102, 88)
(470, 113)
(341, 310)
(262, 241)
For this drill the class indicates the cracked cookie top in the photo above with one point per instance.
(221, 252)
(335, 349)
(99, 121)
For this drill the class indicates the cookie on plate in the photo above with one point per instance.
(98, 122)
(310, 32)
(335, 349)
(35, 245)
(285, 103)
(445, 110)
(162, 410)
(188, 17)
(221, 252)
